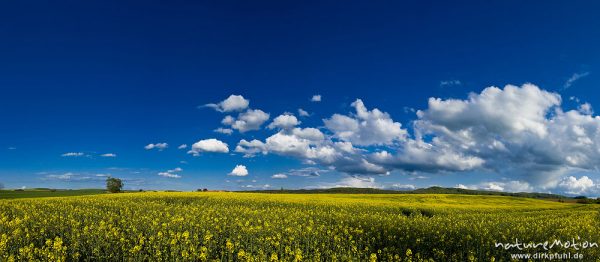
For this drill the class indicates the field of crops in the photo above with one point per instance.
(285, 227)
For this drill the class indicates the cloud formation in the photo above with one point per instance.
(582, 186)
(239, 170)
(172, 173)
(159, 146)
(521, 130)
(211, 145)
(365, 127)
(284, 121)
(109, 155)
(232, 103)
(249, 120)
(518, 131)
(279, 176)
(316, 98)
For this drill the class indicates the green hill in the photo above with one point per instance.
(430, 190)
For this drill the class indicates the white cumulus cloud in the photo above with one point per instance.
(366, 127)
(574, 186)
(521, 131)
(232, 103)
(239, 170)
(249, 120)
(209, 145)
(285, 121)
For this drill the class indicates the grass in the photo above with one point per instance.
(36, 193)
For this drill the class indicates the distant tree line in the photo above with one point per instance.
(430, 190)
(586, 200)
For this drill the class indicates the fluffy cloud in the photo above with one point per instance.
(365, 127)
(159, 146)
(109, 155)
(461, 186)
(285, 121)
(209, 145)
(232, 103)
(298, 142)
(252, 119)
(250, 148)
(239, 170)
(520, 130)
(573, 186)
(182, 146)
(494, 111)
(72, 154)
(172, 173)
(585, 109)
(312, 146)
(316, 98)
(426, 157)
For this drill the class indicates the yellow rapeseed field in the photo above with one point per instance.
(285, 227)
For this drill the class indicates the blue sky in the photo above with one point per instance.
(95, 78)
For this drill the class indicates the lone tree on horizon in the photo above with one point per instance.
(114, 185)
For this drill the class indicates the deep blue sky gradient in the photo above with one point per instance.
(112, 76)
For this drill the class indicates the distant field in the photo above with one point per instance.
(229, 226)
(31, 193)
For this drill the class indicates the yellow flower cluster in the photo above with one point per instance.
(284, 227)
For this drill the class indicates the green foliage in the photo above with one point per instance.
(114, 185)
